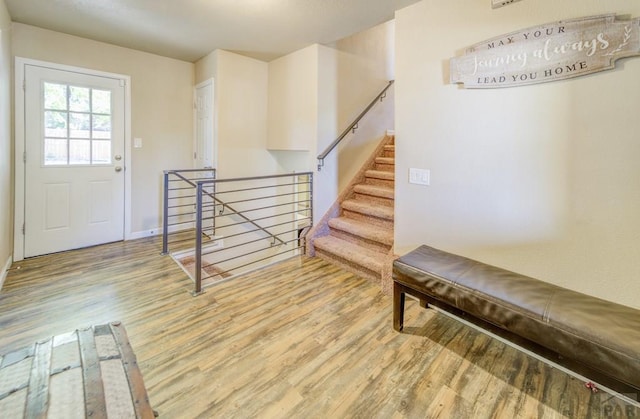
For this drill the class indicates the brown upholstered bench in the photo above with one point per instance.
(603, 335)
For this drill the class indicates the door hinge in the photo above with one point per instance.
(23, 229)
(123, 82)
(24, 156)
(195, 155)
(24, 85)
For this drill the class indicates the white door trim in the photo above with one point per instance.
(19, 144)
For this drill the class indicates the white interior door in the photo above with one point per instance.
(204, 154)
(74, 160)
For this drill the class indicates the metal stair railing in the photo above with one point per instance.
(353, 127)
(180, 175)
(232, 219)
(179, 205)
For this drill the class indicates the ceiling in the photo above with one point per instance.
(190, 29)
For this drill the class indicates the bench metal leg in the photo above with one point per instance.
(398, 306)
(424, 303)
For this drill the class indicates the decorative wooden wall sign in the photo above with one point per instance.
(550, 52)
(499, 3)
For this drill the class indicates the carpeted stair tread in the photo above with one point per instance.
(380, 174)
(367, 208)
(386, 160)
(375, 190)
(363, 230)
(351, 252)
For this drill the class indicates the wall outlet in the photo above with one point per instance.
(420, 176)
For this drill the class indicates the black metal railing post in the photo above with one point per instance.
(198, 250)
(165, 215)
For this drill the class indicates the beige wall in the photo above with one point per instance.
(316, 92)
(240, 91)
(543, 180)
(6, 149)
(293, 101)
(161, 108)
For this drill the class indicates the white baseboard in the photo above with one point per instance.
(5, 270)
(157, 231)
(135, 235)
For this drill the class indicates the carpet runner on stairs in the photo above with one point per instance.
(360, 238)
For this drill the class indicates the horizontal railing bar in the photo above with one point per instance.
(183, 179)
(255, 261)
(261, 208)
(264, 197)
(271, 226)
(247, 254)
(241, 179)
(176, 198)
(174, 171)
(242, 233)
(182, 206)
(190, 188)
(182, 214)
(235, 246)
(179, 223)
(255, 219)
(210, 205)
(265, 187)
(189, 239)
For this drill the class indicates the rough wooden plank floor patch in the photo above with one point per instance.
(66, 377)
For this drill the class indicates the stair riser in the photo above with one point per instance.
(369, 244)
(385, 167)
(375, 199)
(379, 182)
(362, 271)
(389, 153)
(381, 222)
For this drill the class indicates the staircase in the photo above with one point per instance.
(358, 233)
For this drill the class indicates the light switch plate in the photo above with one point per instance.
(420, 176)
(137, 143)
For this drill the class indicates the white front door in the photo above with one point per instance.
(74, 160)
(204, 154)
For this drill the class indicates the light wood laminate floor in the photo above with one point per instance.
(302, 339)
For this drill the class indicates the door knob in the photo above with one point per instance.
(118, 169)
(118, 157)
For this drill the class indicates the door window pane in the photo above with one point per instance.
(55, 151)
(79, 152)
(101, 153)
(55, 124)
(79, 99)
(101, 126)
(79, 125)
(101, 101)
(55, 96)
